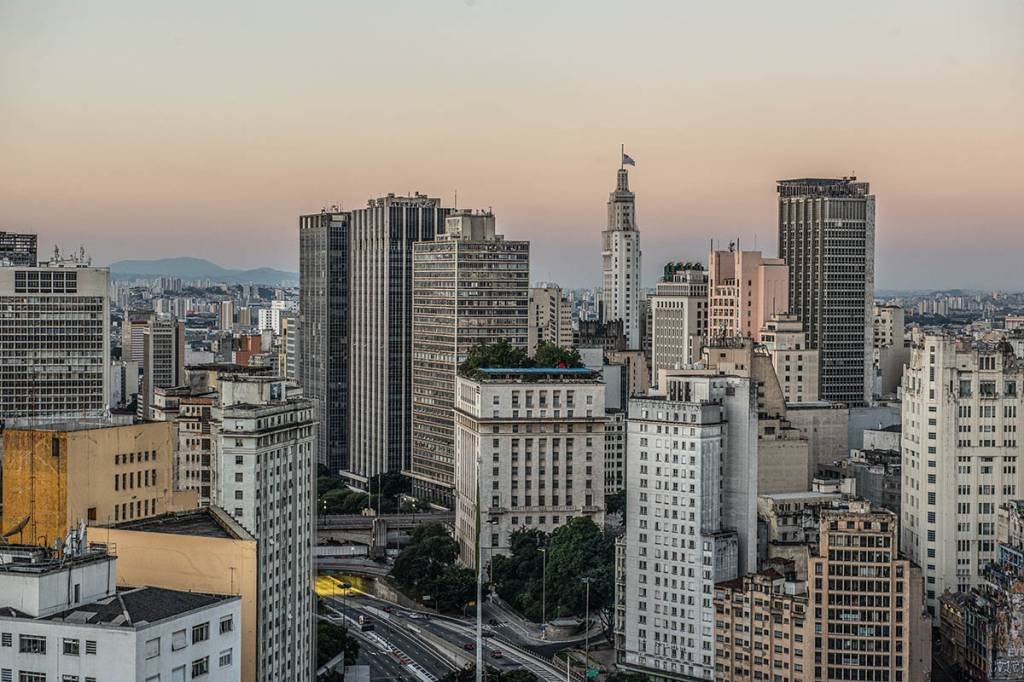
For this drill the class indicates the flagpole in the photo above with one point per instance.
(622, 156)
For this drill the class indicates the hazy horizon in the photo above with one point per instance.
(144, 132)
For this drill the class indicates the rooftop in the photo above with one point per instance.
(138, 606)
(84, 424)
(209, 522)
(534, 374)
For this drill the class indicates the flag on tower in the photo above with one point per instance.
(627, 160)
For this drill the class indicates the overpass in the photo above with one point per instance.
(374, 531)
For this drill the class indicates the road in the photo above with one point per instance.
(394, 650)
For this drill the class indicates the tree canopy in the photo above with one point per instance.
(333, 639)
(577, 550)
(502, 354)
(426, 566)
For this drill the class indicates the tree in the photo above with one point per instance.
(552, 355)
(427, 566)
(498, 354)
(332, 640)
(615, 503)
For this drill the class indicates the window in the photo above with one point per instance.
(5, 639)
(200, 633)
(178, 640)
(90, 647)
(178, 674)
(200, 667)
(71, 647)
(31, 644)
(225, 658)
(25, 676)
(227, 624)
(69, 678)
(152, 648)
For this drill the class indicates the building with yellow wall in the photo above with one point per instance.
(202, 550)
(56, 475)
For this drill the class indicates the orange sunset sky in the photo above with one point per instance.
(147, 130)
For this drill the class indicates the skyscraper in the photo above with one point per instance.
(54, 339)
(827, 238)
(163, 359)
(469, 286)
(17, 248)
(323, 349)
(620, 252)
(679, 312)
(744, 290)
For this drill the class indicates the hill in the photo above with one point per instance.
(198, 268)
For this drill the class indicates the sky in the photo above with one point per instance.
(149, 130)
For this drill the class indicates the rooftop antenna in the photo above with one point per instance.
(455, 203)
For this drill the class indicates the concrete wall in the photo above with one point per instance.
(826, 428)
(869, 418)
(195, 563)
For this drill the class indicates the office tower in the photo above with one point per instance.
(227, 315)
(962, 456)
(691, 491)
(744, 290)
(534, 440)
(57, 475)
(67, 615)
(827, 238)
(866, 601)
(620, 253)
(796, 364)
(163, 365)
(54, 339)
(124, 383)
(469, 287)
(201, 550)
(550, 318)
(18, 249)
(266, 442)
(679, 310)
(763, 630)
(889, 350)
(290, 330)
(323, 330)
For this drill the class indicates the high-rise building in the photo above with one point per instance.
(92, 471)
(827, 238)
(534, 441)
(744, 290)
(550, 318)
(323, 360)
(620, 253)
(265, 481)
(163, 364)
(227, 315)
(469, 286)
(796, 364)
(54, 339)
(691, 488)
(18, 248)
(679, 310)
(866, 601)
(962, 456)
(890, 352)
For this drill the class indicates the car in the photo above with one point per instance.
(469, 646)
(389, 609)
(497, 654)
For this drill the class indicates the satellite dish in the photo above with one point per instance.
(18, 527)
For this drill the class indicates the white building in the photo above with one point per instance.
(66, 618)
(679, 317)
(54, 339)
(890, 352)
(620, 253)
(538, 435)
(269, 319)
(795, 363)
(691, 522)
(227, 315)
(962, 457)
(550, 318)
(265, 480)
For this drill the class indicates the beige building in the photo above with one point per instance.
(866, 601)
(744, 290)
(679, 317)
(890, 352)
(826, 427)
(550, 318)
(637, 371)
(203, 550)
(795, 364)
(783, 459)
(763, 630)
(60, 474)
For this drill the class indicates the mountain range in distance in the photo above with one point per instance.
(199, 268)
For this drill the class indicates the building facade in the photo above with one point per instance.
(620, 253)
(691, 494)
(962, 456)
(827, 239)
(889, 349)
(744, 290)
(550, 318)
(18, 249)
(679, 317)
(533, 439)
(470, 286)
(796, 364)
(54, 340)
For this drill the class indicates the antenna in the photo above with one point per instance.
(455, 204)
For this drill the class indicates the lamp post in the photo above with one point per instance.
(586, 624)
(544, 587)
(479, 581)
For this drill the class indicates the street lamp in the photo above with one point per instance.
(544, 587)
(586, 624)
(479, 579)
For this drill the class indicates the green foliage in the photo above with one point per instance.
(577, 550)
(468, 674)
(337, 498)
(426, 566)
(552, 355)
(616, 503)
(498, 354)
(331, 640)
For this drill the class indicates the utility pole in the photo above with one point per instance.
(544, 588)
(586, 624)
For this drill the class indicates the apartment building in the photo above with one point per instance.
(550, 318)
(744, 290)
(795, 363)
(679, 317)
